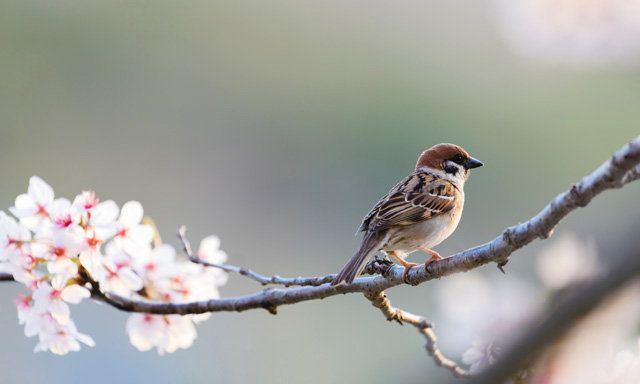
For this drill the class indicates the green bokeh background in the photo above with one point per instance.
(277, 125)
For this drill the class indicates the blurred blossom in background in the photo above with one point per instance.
(573, 33)
(602, 348)
(626, 366)
(482, 317)
(567, 260)
(277, 125)
(474, 307)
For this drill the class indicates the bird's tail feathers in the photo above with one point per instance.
(353, 269)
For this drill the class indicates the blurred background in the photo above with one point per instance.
(277, 125)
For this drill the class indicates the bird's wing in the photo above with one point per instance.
(420, 196)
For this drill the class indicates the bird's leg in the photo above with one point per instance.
(434, 255)
(407, 266)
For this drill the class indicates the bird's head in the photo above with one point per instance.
(450, 160)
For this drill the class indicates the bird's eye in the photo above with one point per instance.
(458, 159)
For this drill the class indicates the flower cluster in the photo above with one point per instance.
(60, 250)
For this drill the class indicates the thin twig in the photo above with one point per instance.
(275, 279)
(380, 301)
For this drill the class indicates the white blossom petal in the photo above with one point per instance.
(105, 212)
(210, 250)
(92, 262)
(131, 279)
(85, 339)
(74, 294)
(42, 296)
(40, 191)
(58, 282)
(103, 219)
(24, 206)
(60, 311)
(141, 233)
(131, 214)
(63, 266)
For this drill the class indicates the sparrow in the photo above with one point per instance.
(418, 213)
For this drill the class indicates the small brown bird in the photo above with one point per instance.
(418, 213)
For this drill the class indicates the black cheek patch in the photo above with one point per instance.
(452, 170)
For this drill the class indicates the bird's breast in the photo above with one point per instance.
(425, 234)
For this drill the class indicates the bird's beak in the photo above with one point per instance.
(473, 163)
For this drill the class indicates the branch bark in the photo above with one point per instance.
(6, 277)
(620, 169)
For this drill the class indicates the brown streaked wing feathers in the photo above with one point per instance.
(418, 197)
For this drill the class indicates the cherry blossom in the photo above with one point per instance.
(167, 333)
(62, 338)
(118, 277)
(178, 333)
(56, 247)
(23, 305)
(157, 265)
(210, 251)
(102, 220)
(62, 215)
(133, 237)
(85, 202)
(91, 257)
(38, 322)
(13, 236)
(30, 278)
(176, 282)
(66, 245)
(32, 208)
(53, 297)
(145, 330)
(479, 356)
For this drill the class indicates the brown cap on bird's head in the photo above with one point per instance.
(436, 156)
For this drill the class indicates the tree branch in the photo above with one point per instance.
(633, 174)
(380, 301)
(6, 277)
(621, 168)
